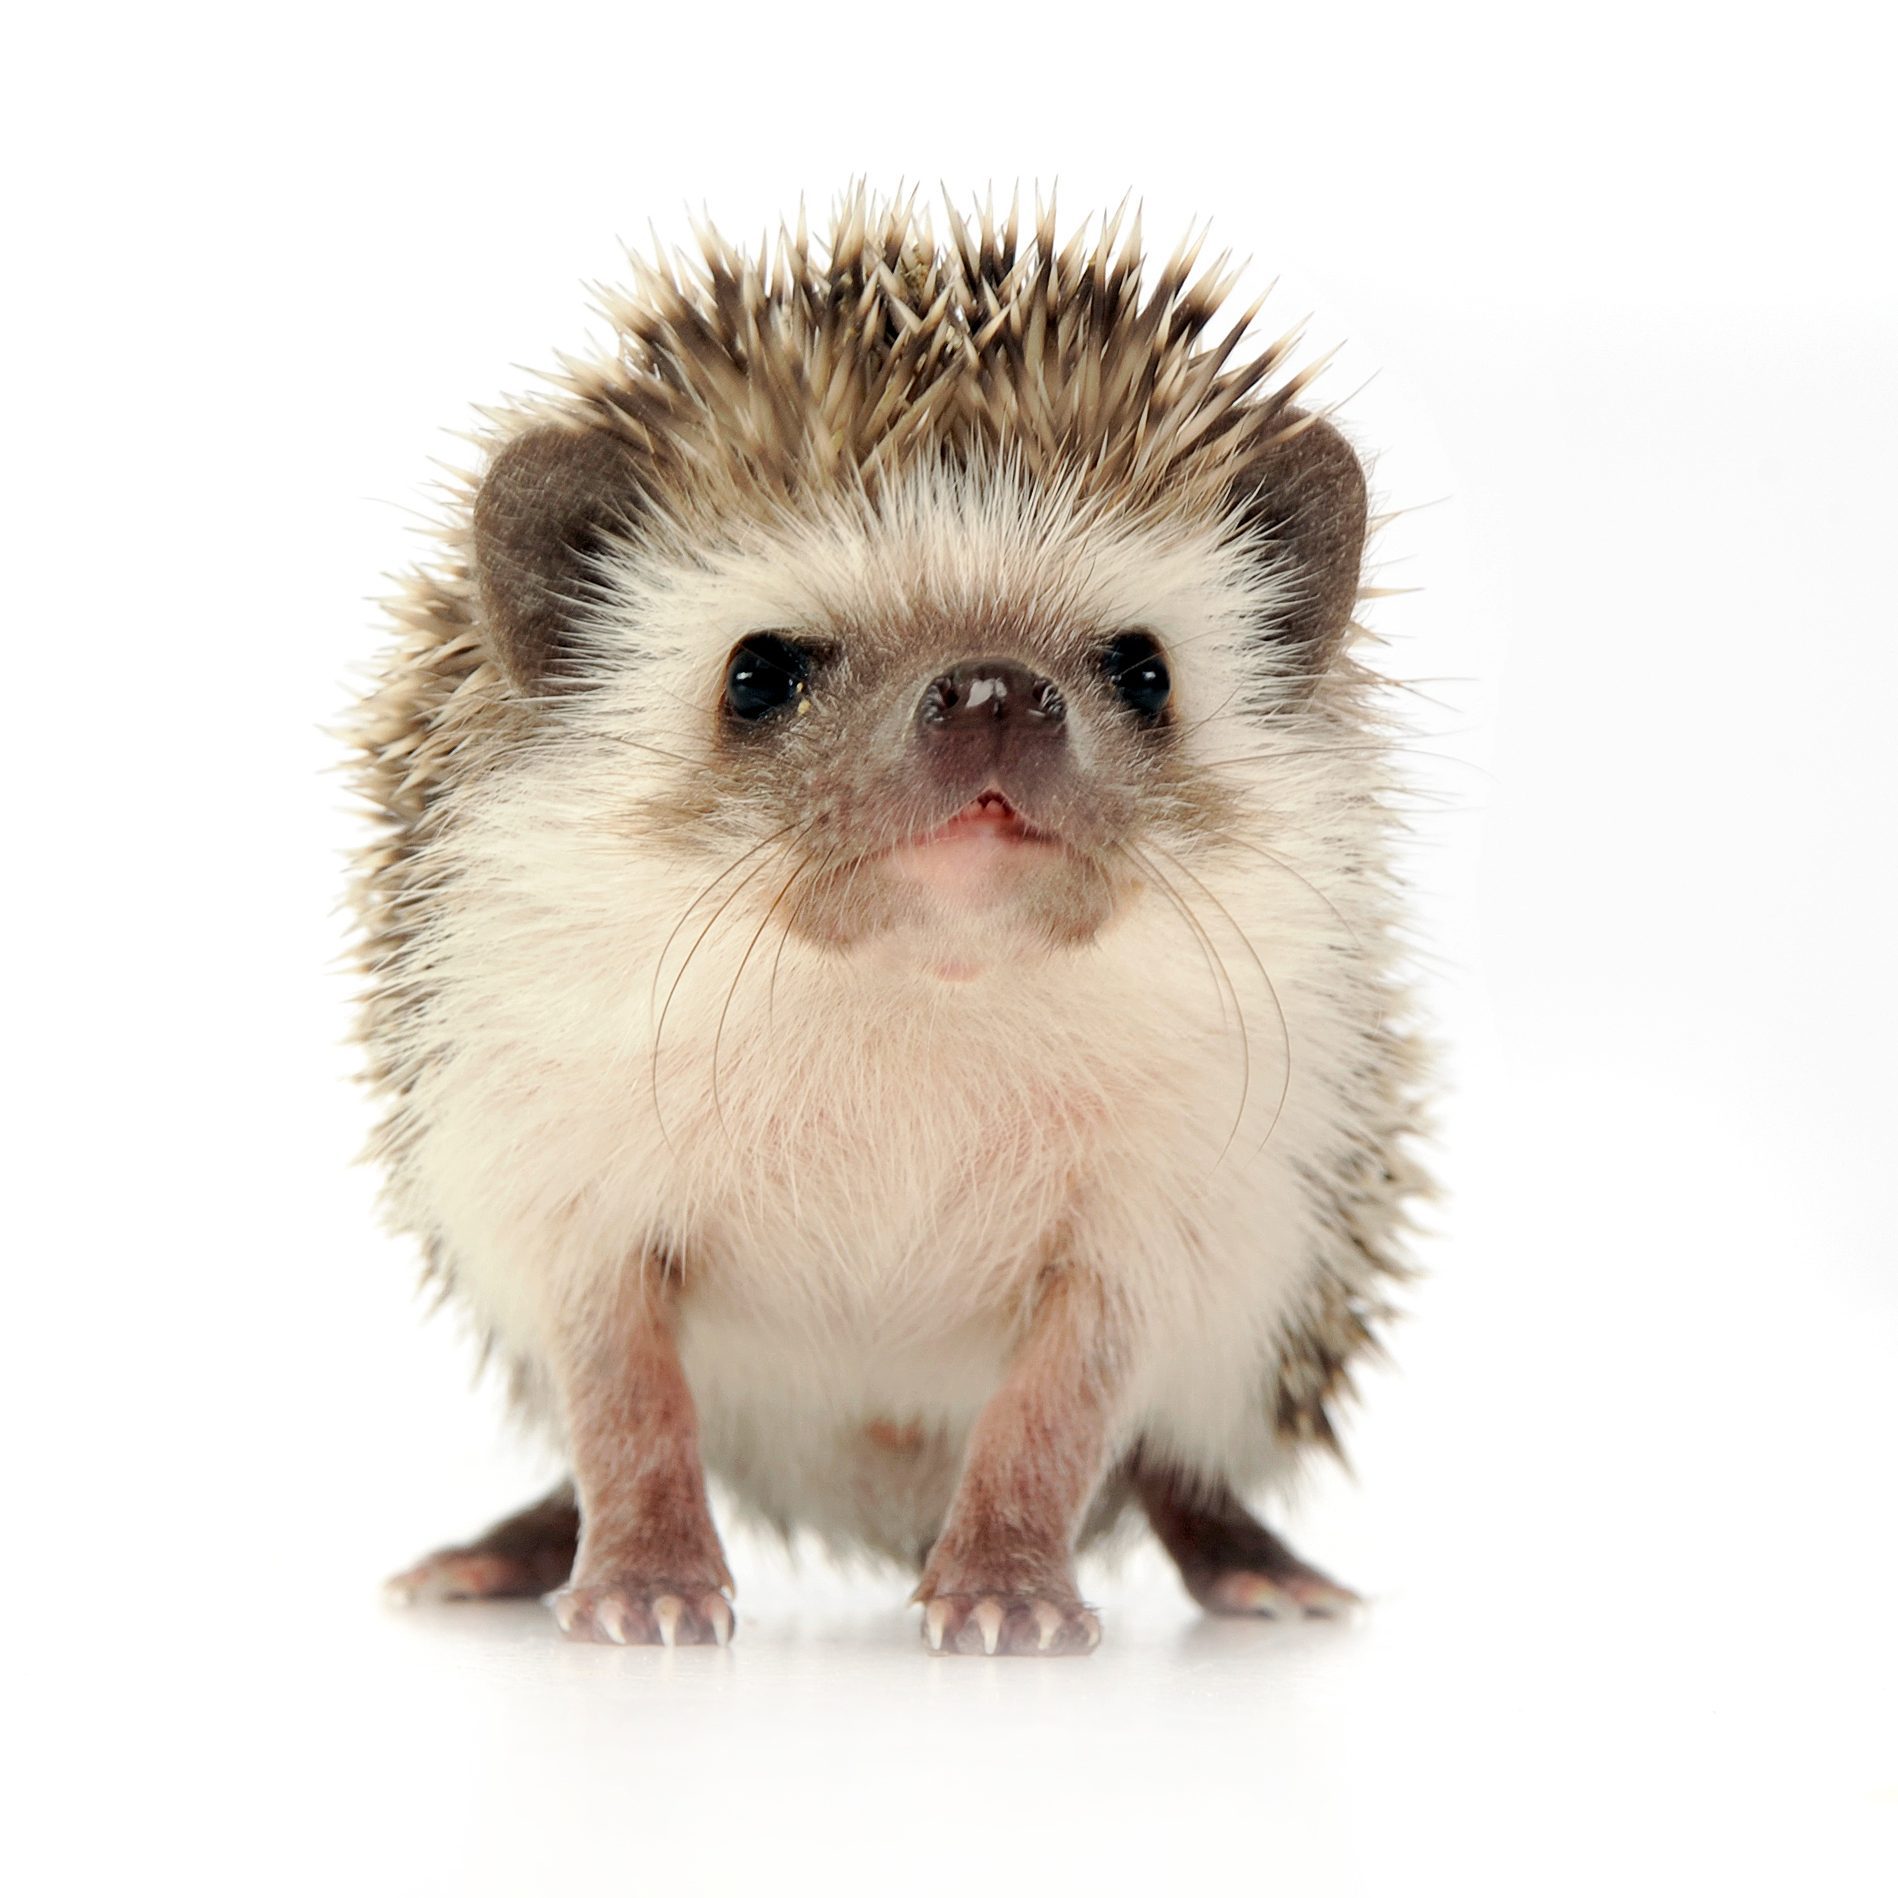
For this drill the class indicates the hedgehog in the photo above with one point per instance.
(879, 931)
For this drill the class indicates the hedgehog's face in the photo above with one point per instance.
(968, 723)
(960, 784)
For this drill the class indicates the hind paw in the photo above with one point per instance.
(1277, 1597)
(528, 1553)
(466, 1575)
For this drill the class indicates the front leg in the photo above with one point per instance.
(649, 1566)
(1000, 1579)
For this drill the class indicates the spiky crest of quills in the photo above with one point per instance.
(815, 366)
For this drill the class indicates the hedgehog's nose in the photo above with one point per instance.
(991, 695)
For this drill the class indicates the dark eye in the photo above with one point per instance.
(1136, 669)
(765, 674)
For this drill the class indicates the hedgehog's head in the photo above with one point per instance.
(930, 669)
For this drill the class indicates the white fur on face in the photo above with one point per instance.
(858, 1165)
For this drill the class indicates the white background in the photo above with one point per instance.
(1624, 278)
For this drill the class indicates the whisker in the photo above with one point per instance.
(659, 1029)
(1154, 881)
(1161, 881)
(640, 744)
(1200, 723)
(1285, 1027)
(1291, 754)
(540, 744)
(1258, 850)
(784, 936)
(731, 993)
(665, 948)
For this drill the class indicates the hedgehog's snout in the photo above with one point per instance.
(983, 695)
(992, 723)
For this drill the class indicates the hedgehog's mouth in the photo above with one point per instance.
(985, 882)
(988, 817)
(962, 857)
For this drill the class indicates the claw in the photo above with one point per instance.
(1328, 1599)
(935, 1623)
(667, 1611)
(612, 1618)
(988, 1620)
(1048, 1620)
(719, 1614)
(1245, 1594)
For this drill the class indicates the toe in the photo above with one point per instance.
(1320, 1595)
(642, 1614)
(458, 1575)
(1275, 1597)
(1242, 1593)
(1008, 1624)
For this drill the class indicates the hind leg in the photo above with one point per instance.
(1231, 1563)
(527, 1554)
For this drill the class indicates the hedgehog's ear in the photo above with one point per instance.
(1303, 497)
(540, 517)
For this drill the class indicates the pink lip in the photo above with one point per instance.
(968, 860)
(989, 817)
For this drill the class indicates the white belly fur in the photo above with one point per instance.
(888, 1166)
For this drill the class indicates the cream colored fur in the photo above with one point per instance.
(857, 1166)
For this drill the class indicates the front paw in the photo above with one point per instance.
(1009, 1624)
(632, 1612)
